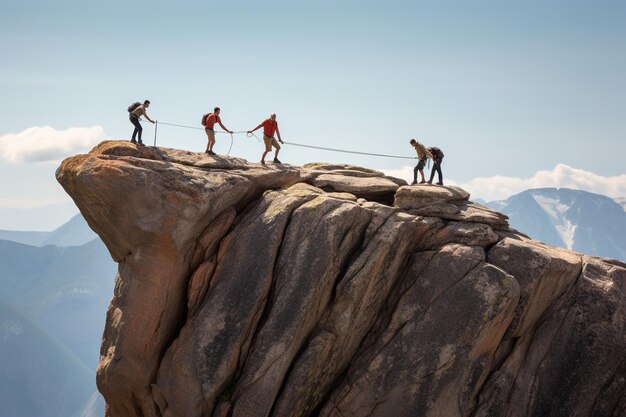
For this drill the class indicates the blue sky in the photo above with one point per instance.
(506, 89)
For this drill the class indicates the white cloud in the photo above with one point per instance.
(562, 176)
(46, 144)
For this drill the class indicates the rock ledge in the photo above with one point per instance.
(334, 290)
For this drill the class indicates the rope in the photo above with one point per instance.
(251, 134)
(347, 151)
(186, 127)
(197, 128)
(231, 145)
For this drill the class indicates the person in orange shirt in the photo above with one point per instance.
(270, 126)
(210, 121)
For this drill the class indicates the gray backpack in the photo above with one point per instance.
(133, 106)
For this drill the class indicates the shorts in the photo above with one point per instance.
(269, 142)
(210, 134)
(421, 164)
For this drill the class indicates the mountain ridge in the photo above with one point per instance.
(74, 232)
(42, 218)
(59, 295)
(577, 220)
(25, 349)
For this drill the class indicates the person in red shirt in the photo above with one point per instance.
(211, 119)
(269, 127)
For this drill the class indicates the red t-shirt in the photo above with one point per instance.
(211, 120)
(269, 127)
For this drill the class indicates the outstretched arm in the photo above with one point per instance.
(143, 113)
(250, 131)
(224, 127)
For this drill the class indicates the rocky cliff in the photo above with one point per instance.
(332, 290)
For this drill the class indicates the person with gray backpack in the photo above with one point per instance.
(137, 110)
(437, 158)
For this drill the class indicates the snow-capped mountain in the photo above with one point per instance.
(578, 220)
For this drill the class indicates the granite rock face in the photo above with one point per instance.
(333, 290)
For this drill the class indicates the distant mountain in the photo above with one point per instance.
(39, 377)
(527, 215)
(65, 290)
(621, 202)
(73, 233)
(27, 238)
(479, 201)
(54, 296)
(578, 220)
(37, 218)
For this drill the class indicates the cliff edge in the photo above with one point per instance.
(333, 290)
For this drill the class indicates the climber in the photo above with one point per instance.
(137, 110)
(422, 155)
(209, 120)
(437, 157)
(269, 126)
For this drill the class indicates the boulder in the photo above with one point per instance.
(447, 202)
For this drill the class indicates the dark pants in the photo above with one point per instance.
(138, 129)
(418, 167)
(436, 167)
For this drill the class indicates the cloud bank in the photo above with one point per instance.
(46, 144)
(562, 176)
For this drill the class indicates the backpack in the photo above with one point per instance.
(204, 117)
(133, 106)
(437, 153)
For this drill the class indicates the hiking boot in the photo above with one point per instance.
(422, 181)
(440, 183)
(429, 182)
(140, 143)
(414, 183)
(262, 162)
(133, 141)
(276, 161)
(209, 152)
